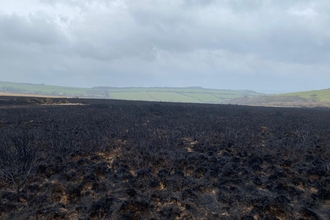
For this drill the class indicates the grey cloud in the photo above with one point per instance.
(166, 43)
(167, 26)
(35, 29)
(246, 6)
(296, 46)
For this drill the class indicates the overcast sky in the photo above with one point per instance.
(262, 45)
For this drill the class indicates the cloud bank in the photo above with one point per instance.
(268, 46)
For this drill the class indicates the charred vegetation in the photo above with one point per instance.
(110, 159)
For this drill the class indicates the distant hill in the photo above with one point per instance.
(313, 95)
(42, 89)
(165, 94)
(314, 98)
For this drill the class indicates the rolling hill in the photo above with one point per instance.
(164, 94)
(313, 95)
(313, 98)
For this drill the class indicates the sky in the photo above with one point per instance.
(268, 46)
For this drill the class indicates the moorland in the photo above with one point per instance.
(111, 159)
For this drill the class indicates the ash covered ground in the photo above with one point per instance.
(107, 159)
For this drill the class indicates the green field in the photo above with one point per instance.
(131, 96)
(170, 96)
(188, 94)
(165, 94)
(42, 89)
(313, 95)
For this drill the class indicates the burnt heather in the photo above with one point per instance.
(110, 159)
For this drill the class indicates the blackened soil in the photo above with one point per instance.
(143, 160)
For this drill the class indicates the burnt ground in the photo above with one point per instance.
(110, 159)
